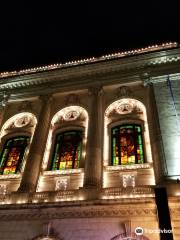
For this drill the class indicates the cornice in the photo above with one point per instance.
(149, 49)
(162, 78)
(75, 74)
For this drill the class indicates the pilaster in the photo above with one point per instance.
(36, 152)
(93, 165)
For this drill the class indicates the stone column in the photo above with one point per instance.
(36, 151)
(93, 164)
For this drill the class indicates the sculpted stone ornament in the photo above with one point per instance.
(5, 98)
(124, 91)
(125, 108)
(71, 115)
(72, 99)
(25, 107)
(95, 91)
(22, 121)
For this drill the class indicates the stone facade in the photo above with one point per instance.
(96, 200)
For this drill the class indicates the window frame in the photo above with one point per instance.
(121, 123)
(52, 151)
(22, 162)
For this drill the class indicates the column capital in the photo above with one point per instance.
(95, 91)
(4, 99)
(146, 78)
(46, 98)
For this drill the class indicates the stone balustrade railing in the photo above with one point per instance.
(75, 195)
(128, 192)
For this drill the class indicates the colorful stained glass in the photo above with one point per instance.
(127, 145)
(67, 151)
(13, 154)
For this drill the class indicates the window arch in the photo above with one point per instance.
(67, 150)
(12, 156)
(68, 123)
(15, 137)
(127, 144)
(122, 119)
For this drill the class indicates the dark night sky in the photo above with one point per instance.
(34, 35)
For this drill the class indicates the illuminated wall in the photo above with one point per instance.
(169, 121)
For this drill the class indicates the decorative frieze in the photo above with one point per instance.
(80, 211)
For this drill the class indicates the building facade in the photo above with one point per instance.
(85, 145)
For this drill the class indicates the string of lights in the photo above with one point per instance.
(90, 60)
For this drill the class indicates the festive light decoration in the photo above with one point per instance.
(90, 60)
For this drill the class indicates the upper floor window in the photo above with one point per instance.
(12, 155)
(127, 144)
(66, 142)
(67, 150)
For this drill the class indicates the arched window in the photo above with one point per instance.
(12, 155)
(127, 144)
(67, 150)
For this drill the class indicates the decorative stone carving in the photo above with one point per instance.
(4, 98)
(25, 106)
(57, 211)
(3, 189)
(62, 183)
(124, 91)
(95, 91)
(125, 106)
(72, 99)
(19, 121)
(128, 180)
(71, 115)
(22, 121)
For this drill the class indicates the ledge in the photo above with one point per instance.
(63, 172)
(10, 176)
(128, 167)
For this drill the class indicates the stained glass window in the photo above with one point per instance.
(13, 154)
(127, 145)
(67, 151)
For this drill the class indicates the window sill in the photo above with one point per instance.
(10, 176)
(129, 167)
(63, 172)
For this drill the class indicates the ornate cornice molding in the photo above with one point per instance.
(163, 78)
(52, 78)
(117, 55)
